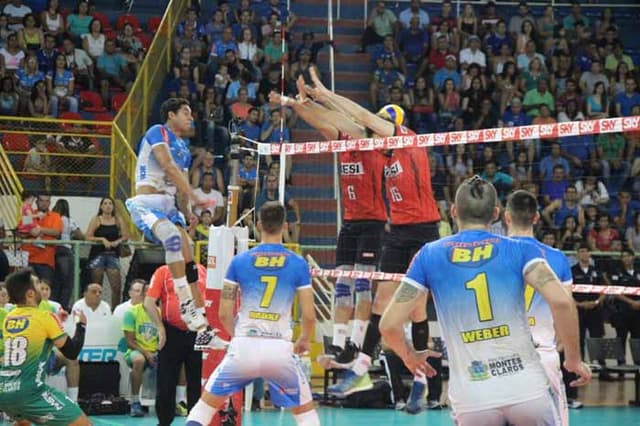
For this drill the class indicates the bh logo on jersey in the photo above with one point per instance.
(351, 169)
(478, 371)
(472, 256)
(18, 324)
(393, 170)
(276, 261)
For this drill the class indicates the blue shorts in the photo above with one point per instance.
(105, 261)
(148, 209)
(249, 358)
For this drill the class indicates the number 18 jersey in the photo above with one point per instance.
(478, 289)
(268, 276)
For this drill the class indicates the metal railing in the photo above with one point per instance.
(10, 188)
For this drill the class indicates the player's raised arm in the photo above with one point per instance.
(226, 311)
(69, 346)
(174, 173)
(565, 316)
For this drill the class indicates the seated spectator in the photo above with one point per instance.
(215, 27)
(449, 33)
(38, 105)
(514, 116)
(52, 20)
(526, 33)
(271, 25)
(200, 232)
(486, 117)
(535, 98)
(500, 180)
(212, 114)
(247, 178)
(222, 80)
(38, 161)
(302, 67)
(250, 127)
(562, 73)
(589, 79)
(618, 79)
(9, 98)
(4, 30)
(449, 104)
(437, 57)
(241, 106)
(630, 98)
(192, 41)
(206, 191)
(270, 82)
(192, 22)
(219, 49)
(467, 23)
(600, 238)
(12, 56)
(273, 53)
(78, 22)
(141, 337)
(131, 46)
(516, 21)
(422, 100)
(60, 85)
(270, 193)
(136, 297)
(592, 191)
(245, 6)
(413, 42)
(570, 235)
(446, 14)
(15, 11)
(459, 165)
(576, 15)
(414, 11)
(188, 59)
(47, 55)
(616, 58)
(79, 63)
(271, 133)
(549, 163)
(632, 234)
(526, 57)
(27, 77)
(203, 164)
(530, 77)
(449, 72)
(507, 87)
(382, 81)
(30, 37)
(556, 212)
(521, 170)
(597, 104)
(388, 50)
(381, 22)
(623, 209)
(185, 78)
(555, 188)
(75, 144)
(472, 99)
(570, 95)
(113, 70)
(244, 22)
(610, 148)
(308, 42)
(580, 151)
(250, 54)
(473, 55)
(242, 82)
(497, 38)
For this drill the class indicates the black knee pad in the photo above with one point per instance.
(192, 272)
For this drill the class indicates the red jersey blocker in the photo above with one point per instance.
(360, 237)
(412, 208)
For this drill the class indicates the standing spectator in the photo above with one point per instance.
(79, 63)
(12, 55)
(61, 86)
(627, 320)
(382, 22)
(42, 259)
(78, 22)
(627, 100)
(9, 98)
(206, 192)
(597, 104)
(600, 238)
(555, 188)
(535, 98)
(414, 11)
(15, 11)
(107, 229)
(141, 337)
(589, 79)
(175, 343)
(93, 42)
(62, 284)
(30, 37)
(52, 20)
(113, 70)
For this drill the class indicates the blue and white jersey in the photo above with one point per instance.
(538, 311)
(477, 280)
(269, 276)
(148, 170)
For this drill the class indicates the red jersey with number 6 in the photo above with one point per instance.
(408, 184)
(361, 184)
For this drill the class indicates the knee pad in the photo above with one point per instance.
(192, 272)
(171, 240)
(363, 290)
(344, 298)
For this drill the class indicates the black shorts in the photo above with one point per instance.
(359, 242)
(403, 242)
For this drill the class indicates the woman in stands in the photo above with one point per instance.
(107, 229)
(52, 20)
(30, 38)
(12, 55)
(449, 102)
(131, 47)
(422, 106)
(60, 84)
(597, 104)
(93, 41)
(250, 54)
(530, 77)
(527, 32)
(8, 97)
(39, 106)
(617, 83)
(79, 21)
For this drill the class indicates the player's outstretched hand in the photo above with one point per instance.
(301, 86)
(302, 345)
(80, 317)
(63, 315)
(582, 370)
(417, 362)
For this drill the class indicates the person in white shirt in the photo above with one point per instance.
(473, 54)
(16, 11)
(414, 10)
(207, 192)
(136, 296)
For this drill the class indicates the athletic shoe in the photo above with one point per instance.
(343, 358)
(574, 404)
(136, 409)
(400, 405)
(416, 398)
(209, 339)
(351, 383)
(433, 405)
(181, 409)
(195, 321)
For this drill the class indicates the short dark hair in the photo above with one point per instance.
(272, 216)
(584, 246)
(522, 206)
(628, 251)
(18, 283)
(476, 200)
(171, 105)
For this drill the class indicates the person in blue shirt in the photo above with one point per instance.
(449, 72)
(414, 41)
(626, 100)
(548, 163)
(478, 280)
(271, 133)
(497, 38)
(250, 127)
(48, 54)
(266, 279)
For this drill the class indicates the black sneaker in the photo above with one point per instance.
(348, 354)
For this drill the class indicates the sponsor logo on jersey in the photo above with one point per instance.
(472, 256)
(352, 169)
(505, 366)
(17, 324)
(265, 316)
(394, 170)
(488, 333)
(478, 370)
(274, 261)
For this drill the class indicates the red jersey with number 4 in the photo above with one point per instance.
(361, 184)
(408, 184)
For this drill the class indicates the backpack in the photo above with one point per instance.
(378, 397)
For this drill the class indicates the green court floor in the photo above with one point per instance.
(597, 416)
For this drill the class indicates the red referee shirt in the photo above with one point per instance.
(161, 287)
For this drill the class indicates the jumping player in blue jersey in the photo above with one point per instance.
(268, 277)
(478, 284)
(163, 199)
(520, 215)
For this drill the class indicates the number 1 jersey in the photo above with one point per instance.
(268, 277)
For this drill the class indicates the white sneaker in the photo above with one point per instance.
(208, 339)
(195, 321)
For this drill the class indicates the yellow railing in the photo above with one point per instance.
(10, 190)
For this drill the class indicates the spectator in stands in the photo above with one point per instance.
(486, 117)
(240, 107)
(437, 56)
(141, 336)
(79, 145)
(244, 22)
(271, 132)
(12, 56)
(604, 22)
(206, 164)
(47, 55)
(244, 81)
(570, 95)
(611, 153)
(559, 209)
(191, 22)
(597, 104)
(576, 15)
(580, 151)
(468, 23)
(530, 77)
(9, 98)
(473, 55)
(488, 19)
(496, 39)
(600, 238)
(570, 234)
(592, 191)
(382, 22)
(618, 79)
(30, 37)
(526, 34)
(308, 42)
(93, 42)
(589, 79)
(449, 33)
(302, 67)
(449, 72)
(250, 127)
(516, 21)
(108, 229)
(78, 22)
(507, 87)
(273, 52)
(627, 320)
(60, 84)
(4, 30)
(270, 192)
(188, 59)
(412, 11)
(529, 53)
(413, 42)
(472, 100)
(79, 63)
(616, 58)
(448, 104)
(27, 77)
(271, 25)
(136, 296)
(192, 41)
(521, 170)
(500, 180)
(200, 232)
(271, 82)
(446, 14)
(632, 234)
(546, 24)
(610, 39)
(215, 27)
(535, 98)
(250, 54)
(625, 102)
(382, 81)
(131, 47)
(247, 178)
(38, 161)
(206, 191)
(623, 209)
(218, 52)
(459, 165)
(113, 70)
(42, 259)
(554, 188)
(52, 20)
(38, 106)
(245, 6)
(63, 282)
(423, 100)
(15, 11)
(388, 50)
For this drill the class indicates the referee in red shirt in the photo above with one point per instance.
(175, 344)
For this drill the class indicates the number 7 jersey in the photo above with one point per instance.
(268, 276)
(478, 289)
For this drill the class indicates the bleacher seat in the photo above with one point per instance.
(69, 116)
(15, 142)
(117, 101)
(103, 116)
(91, 101)
(153, 23)
(128, 19)
(145, 39)
(104, 20)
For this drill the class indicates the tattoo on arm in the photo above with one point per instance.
(540, 275)
(405, 293)
(229, 291)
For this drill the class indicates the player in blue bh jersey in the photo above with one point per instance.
(268, 278)
(163, 198)
(520, 216)
(478, 285)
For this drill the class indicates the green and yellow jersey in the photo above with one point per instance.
(28, 335)
(137, 321)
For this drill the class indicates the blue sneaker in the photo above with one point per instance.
(351, 383)
(136, 409)
(416, 398)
